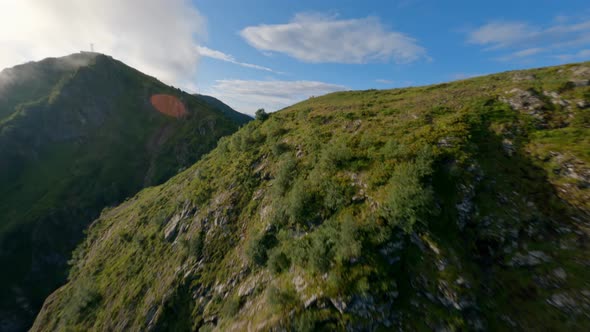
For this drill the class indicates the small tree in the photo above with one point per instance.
(261, 114)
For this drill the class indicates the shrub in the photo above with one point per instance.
(275, 129)
(285, 175)
(349, 242)
(300, 203)
(83, 299)
(334, 194)
(278, 262)
(194, 245)
(258, 246)
(246, 138)
(393, 150)
(336, 155)
(231, 307)
(306, 322)
(261, 114)
(321, 253)
(407, 200)
(281, 298)
(279, 148)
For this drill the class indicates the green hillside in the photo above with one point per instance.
(453, 207)
(78, 134)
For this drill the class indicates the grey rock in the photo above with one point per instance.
(556, 98)
(299, 283)
(339, 304)
(447, 296)
(520, 77)
(441, 264)
(171, 229)
(523, 100)
(580, 83)
(247, 288)
(363, 306)
(508, 147)
(560, 273)
(447, 142)
(563, 301)
(580, 71)
(310, 301)
(391, 251)
(532, 258)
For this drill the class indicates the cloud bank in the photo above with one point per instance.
(154, 36)
(316, 38)
(248, 96)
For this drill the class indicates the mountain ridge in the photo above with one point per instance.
(457, 206)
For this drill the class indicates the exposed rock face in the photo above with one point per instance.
(525, 101)
(531, 258)
(581, 71)
(523, 76)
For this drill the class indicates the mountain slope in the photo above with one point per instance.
(458, 206)
(78, 134)
(218, 104)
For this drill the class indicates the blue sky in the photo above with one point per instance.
(448, 40)
(271, 54)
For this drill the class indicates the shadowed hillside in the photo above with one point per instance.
(78, 134)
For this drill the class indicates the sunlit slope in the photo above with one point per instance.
(458, 206)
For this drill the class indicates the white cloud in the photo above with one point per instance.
(214, 54)
(248, 96)
(527, 52)
(522, 54)
(384, 81)
(580, 55)
(464, 76)
(319, 39)
(157, 37)
(502, 34)
(526, 40)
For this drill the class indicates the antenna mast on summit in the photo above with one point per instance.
(92, 47)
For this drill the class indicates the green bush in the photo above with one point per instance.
(306, 322)
(278, 262)
(300, 204)
(194, 245)
(285, 175)
(336, 155)
(231, 307)
(84, 297)
(275, 129)
(261, 114)
(281, 298)
(349, 242)
(258, 246)
(246, 138)
(408, 200)
(321, 252)
(279, 148)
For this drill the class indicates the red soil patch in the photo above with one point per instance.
(169, 105)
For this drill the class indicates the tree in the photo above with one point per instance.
(261, 114)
